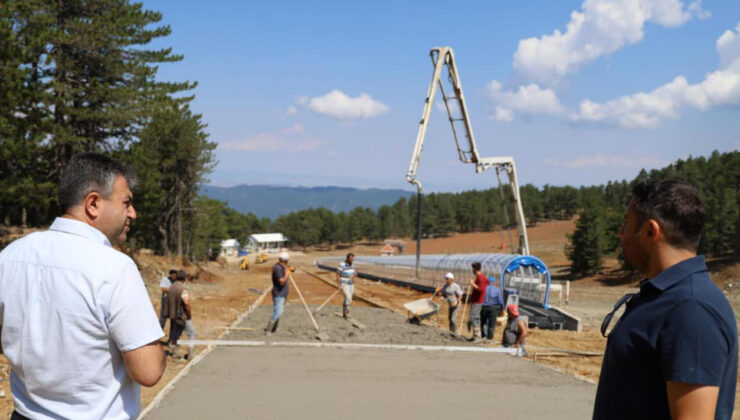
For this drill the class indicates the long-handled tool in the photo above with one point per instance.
(462, 310)
(326, 301)
(320, 335)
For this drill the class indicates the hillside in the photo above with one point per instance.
(273, 201)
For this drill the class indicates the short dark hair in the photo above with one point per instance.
(351, 254)
(676, 206)
(173, 271)
(476, 266)
(88, 172)
(182, 274)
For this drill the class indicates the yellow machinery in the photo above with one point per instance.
(245, 263)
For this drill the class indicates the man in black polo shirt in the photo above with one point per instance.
(673, 354)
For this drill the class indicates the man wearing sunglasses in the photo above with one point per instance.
(673, 353)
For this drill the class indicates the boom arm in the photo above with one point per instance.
(444, 57)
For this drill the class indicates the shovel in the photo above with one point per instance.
(462, 310)
(320, 335)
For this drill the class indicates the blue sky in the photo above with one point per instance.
(579, 93)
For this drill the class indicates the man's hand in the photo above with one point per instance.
(691, 401)
(146, 364)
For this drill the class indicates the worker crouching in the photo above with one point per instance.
(280, 289)
(346, 282)
(515, 331)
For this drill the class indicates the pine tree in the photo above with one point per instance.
(101, 76)
(587, 243)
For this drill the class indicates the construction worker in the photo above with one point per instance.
(280, 289)
(493, 306)
(180, 315)
(477, 297)
(452, 292)
(515, 331)
(164, 286)
(346, 282)
(77, 324)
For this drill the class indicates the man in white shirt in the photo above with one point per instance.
(76, 321)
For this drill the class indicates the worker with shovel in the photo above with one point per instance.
(346, 282)
(280, 289)
(453, 293)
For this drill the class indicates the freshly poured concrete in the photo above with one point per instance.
(300, 383)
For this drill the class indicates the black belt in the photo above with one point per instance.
(18, 416)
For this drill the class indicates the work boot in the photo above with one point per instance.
(476, 333)
(345, 312)
(175, 351)
(270, 327)
(274, 327)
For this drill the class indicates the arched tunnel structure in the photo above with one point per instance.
(526, 276)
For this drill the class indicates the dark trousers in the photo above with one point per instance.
(175, 332)
(164, 310)
(16, 416)
(488, 316)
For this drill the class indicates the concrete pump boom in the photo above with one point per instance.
(444, 57)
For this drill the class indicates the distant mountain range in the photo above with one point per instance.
(273, 201)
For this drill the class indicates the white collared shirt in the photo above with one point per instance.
(69, 305)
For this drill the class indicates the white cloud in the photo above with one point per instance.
(291, 139)
(603, 160)
(454, 107)
(642, 110)
(602, 27)
(647, 110)
(728, 47)
(336, 104)
(290, 111)
(529, 99)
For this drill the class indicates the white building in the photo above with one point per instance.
(230, 248)
(271, 242)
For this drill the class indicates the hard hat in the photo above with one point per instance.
(450, 276)
(283, 256)
(513, 309)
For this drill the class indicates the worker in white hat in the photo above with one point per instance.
(453, 293)
(280, 289)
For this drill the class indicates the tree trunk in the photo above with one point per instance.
(165, 246)
(191, 229)
(179, 233)
(24, 217)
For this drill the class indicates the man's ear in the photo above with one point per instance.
(91, 204)
(653, 231)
